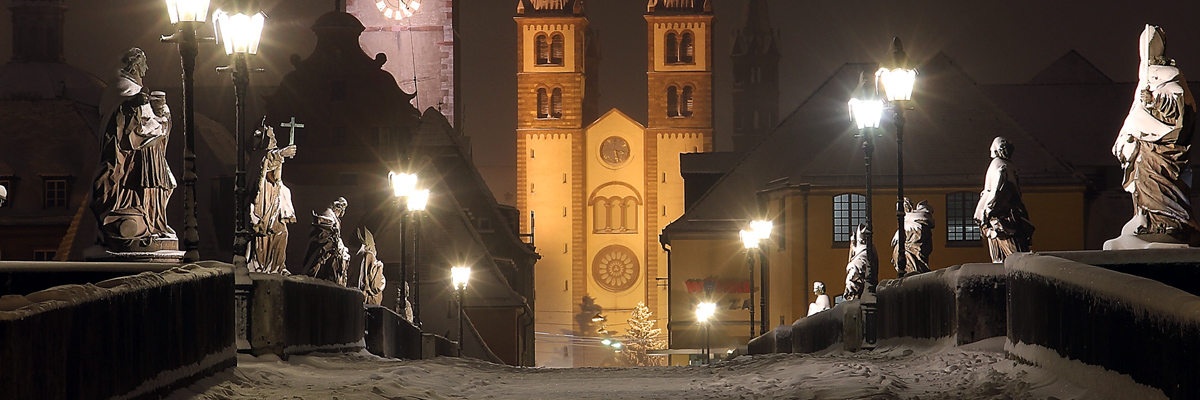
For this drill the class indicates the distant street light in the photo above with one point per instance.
(897, 80)
(187, 15)
(240, 34)
(417, 199)
(704, 311)
(404, 188)
(459, 276)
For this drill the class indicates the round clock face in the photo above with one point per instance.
(615, 268)
(397, 9)
(614, 151)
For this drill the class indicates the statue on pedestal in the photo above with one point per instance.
(370, 270)
(272, 210)
(822, 303)
(1000, 213)
(327, 256)
(918, 239)
(134, 183)
(1154, 147)
(862, 260)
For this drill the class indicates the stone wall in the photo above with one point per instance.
(388, 335)
(965, 302)
(1131, 325)
(298, 314)
(24, 277)
(839, 327)
(778, 340)
(132, 336)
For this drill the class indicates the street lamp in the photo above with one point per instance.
(403, 186)
(417, 199)
(240, 34)
(186, 15)
(866, 110)
(759, 230)
(897, 80)
(460, 276)
(704, 311)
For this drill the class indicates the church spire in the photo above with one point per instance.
(755, 77)
(38, 30)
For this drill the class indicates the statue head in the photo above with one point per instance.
(1001, 148)
(818, 288)
(134, 62)
(908, 205)
(858, 239)
(270, 136)
(1154, 46)
(339, 207)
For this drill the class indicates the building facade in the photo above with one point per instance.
(596, 191)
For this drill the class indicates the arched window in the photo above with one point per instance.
(542, 46)
(600, 215)
(543, 104)
(672, 101)
(556, 49)
(629, 215)
(960, 222)
(849, 210)
(687, 48)
(686, 102)
(556, 103)
(671, 48)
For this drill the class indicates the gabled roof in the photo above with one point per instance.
(949, 128)
(1070, 68)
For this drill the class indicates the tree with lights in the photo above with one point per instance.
(642, 336)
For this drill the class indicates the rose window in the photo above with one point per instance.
(615, 268)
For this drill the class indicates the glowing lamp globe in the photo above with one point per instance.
(417, 200)
(240, 33)
(402, 184)
(705, 310)
(460, 276)
(187, 10)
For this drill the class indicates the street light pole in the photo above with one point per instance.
(898, 81)
(187, 15)
(459, 277)
(750, 242)
(241, 81)
(416, 207)
(866, 110)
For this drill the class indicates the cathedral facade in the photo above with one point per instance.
(596, 190)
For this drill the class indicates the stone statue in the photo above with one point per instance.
(918, 239)
(1000, 213)
(822, 303)
(272, 210)
(133, 183)
(370, 272)
(1154, 146)
(3, 195)
(327, 256)
(862, 260)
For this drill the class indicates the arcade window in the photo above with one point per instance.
(679, 48)
(680, 102)
(849, 210)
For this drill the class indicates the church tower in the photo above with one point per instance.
(38, 30)
(755, 77)
(551, 83)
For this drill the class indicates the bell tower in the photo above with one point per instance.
(755, 77)
(552, 83)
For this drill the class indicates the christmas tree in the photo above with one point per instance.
(642, 336)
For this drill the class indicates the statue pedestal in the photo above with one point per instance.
(158, 250)
(1129, 240)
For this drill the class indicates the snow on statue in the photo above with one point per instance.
(327, 256)
(822, 303)
(370, 269)
(1000, 213)
(1153, 147)
(272, 210)
(862, 260)
(918, 239)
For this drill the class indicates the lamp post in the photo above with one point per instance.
(759, 230)
(762, 230)
(416, 205)
(865, 110)
(403, 185)
(897, 81)
(460, 276)
(240, 34)
(704, 312)
(186, 15)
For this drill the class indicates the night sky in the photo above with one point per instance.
(994, 42)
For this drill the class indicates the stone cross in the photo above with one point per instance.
(292, 125)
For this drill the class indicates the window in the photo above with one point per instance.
(960, 223)
(671, 49)
(556, 103)
(615, 214)
(848, 211)
(556, 49)
(541, 46)
(687, 48)
(543, 104)
(44, 255)
(55, 193)
(680, 102)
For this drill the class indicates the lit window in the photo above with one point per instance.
(848, 211)
(55, 194)
(960, 223)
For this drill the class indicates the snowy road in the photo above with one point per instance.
(978, 371)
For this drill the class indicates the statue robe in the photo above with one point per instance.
(270, 215)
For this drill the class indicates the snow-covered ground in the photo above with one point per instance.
(977, 371)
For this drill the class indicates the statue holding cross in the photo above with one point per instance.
(291, 125)
(272, 210)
